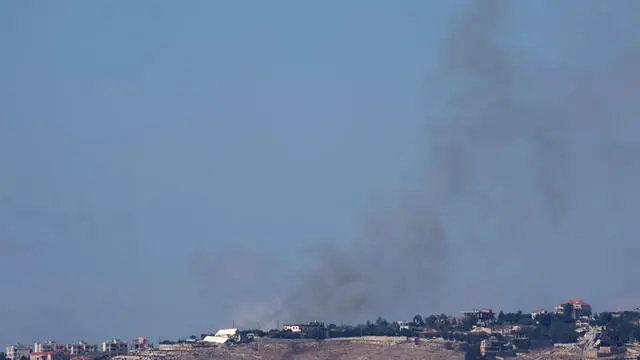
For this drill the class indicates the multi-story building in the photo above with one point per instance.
(140, 343)
(578, 308)
(481, 317)
(115, 347)
(80, 348)
(18, 351)
(49, 346)
(41, 355)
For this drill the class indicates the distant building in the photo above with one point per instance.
(223, 336)
(49, 346)
(140, 343)
(537, 313)
(578, 308)
(292, 327)
(115, 347)
(17, 352)
(80, 348)
(42, 355)
(482, 317)
(493, 347)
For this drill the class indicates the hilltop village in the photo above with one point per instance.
(571, 328)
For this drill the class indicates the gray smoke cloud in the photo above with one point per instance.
(518, 144)
(530, 178)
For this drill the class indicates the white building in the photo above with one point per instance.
(215, 339)
(292, 327)
(45, 347)
(17, 352)
(537, 313)
(223, 336)
(115, 347)
(80, 348)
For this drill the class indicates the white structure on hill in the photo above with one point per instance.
(223, 336)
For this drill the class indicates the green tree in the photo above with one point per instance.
(380, 322)
(418, 320)
(501, 317)
(3, 356)
(430, 321)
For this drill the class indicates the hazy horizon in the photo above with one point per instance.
(172, 168)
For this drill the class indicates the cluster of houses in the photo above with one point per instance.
(501, 335)
(80, 350)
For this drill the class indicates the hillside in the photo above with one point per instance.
(369, 348)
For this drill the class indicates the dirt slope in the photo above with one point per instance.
(353, 349)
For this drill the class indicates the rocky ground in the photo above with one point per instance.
(334, 349)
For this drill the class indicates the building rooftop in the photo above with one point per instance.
(575, 302)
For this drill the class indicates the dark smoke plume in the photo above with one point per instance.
(518, 145)
(530, 177)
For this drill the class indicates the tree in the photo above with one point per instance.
(418, 320)
(501, 317)
(380, 322)
(431, 321)
(3, 356)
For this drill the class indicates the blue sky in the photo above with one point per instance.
(137, 135)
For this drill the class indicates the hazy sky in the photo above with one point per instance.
(139, 140)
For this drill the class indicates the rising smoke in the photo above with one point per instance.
(533, 151)
(530, 173)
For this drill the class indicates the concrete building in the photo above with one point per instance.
(578, 308)
(19, 351)
(41, 355)
(49, 346)
(115, 347)
(537, 313)
(140, 343)
(482, 317)
(80, 348)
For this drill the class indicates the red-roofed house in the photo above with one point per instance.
(578, 307)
